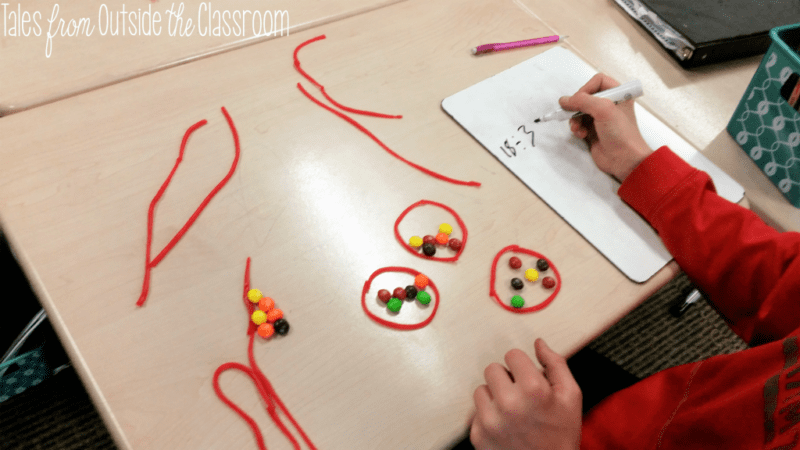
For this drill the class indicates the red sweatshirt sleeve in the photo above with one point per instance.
(748, 270)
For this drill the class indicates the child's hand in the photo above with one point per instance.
(524, 408)
(615, 141)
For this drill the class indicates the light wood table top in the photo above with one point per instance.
(93, 52)
(696, 103)
(313, 202)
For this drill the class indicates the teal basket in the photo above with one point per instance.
(20, 373)
(764, 124)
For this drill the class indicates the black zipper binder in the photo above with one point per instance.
(700, 32)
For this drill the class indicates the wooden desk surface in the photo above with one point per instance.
(88, 59)
(696, 103)
(312, 202)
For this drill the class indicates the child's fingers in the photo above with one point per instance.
(530, 381)
(599, 82)
(523, 369)
(483, 400)
(555, 368)
(599, 108)
(486, 419)
(582, 126)
(497, 379)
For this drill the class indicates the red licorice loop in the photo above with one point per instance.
(414, 251)
(150, 264)
(322, 88)
(390, 324)
(274, 404)
(218, 390)
(493, 277)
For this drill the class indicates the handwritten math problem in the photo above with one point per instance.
(518, 142)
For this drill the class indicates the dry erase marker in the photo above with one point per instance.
(627, 91)
(489, 48)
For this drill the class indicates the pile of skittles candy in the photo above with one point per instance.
(531, 275)
(428, 243)
(267, 317)
(394, 299)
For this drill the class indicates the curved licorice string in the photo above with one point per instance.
(274, 397)
(151, 212)
(361, 128)
(150, 264)
(264, 387)
(251, 327)
(322, 88)
(356, 111)
(252, 423)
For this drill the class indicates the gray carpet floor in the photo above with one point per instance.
(57, 414)
(650, 339)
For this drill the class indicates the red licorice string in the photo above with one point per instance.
(150, 264)
(264, 387)
(368, 113)
(493, 277)
(378, 141)
(252, 423)
(384, 322)
(250, 306)
(322, 88)
(416, 252)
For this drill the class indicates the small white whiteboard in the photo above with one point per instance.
(499, 113)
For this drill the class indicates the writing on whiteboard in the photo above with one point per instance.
(518, 142)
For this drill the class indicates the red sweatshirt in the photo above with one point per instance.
(751, 273)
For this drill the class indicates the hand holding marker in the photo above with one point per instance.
(610, 129)
(619, 94)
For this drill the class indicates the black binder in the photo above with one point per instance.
(700, 32)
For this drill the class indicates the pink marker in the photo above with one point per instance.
(488, 48)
